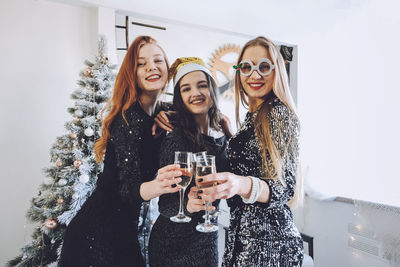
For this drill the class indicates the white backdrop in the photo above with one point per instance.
(43, 46)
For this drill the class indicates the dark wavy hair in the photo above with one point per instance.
(185, 120)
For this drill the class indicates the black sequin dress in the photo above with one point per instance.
(264, 234)
(104, 232)
(180, 244)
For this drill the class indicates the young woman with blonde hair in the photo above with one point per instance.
(263, 160)
(104, 232)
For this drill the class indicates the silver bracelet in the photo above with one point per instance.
(255, 191)
(259, 190)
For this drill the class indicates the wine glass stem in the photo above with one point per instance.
(181, 195)
(207, 220)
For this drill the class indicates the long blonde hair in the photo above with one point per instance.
(262, 126)
(126, 91)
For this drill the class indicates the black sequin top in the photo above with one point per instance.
(180, 244)
(264, 234)
(104, 232)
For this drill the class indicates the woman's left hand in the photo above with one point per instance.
(195, 202)
(161, 122)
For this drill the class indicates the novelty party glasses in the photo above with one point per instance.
(264, 67)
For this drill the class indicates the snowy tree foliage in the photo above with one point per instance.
(72, 174)
(73, 171)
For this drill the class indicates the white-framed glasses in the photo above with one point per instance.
(246, 67)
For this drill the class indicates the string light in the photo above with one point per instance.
(355, 254)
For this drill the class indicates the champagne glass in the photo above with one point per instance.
(202, 155)
(206, 166)
(199, 155)
(184, 159)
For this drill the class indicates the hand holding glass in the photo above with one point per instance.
(184, 159)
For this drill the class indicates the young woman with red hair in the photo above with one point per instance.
(104, 232)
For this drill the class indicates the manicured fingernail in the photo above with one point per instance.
(173, 186)
(199, 197)
(200, 180)
(200, 191)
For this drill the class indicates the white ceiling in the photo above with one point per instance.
(276, 19)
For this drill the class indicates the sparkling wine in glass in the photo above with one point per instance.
(206, 166)
(185, 160)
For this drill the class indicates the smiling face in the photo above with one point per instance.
(256, 86)
(195, 92)
(152, 73)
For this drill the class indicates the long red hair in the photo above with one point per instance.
(126, 91)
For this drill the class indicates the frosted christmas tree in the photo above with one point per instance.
(72, 174)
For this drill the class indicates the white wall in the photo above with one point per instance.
(327, 221)
(106, 28)
(348, 95)
(43, 46)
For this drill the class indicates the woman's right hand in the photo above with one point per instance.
(167, 179)
(226, 125)
(229, 184)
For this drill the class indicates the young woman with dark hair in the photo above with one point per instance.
(196, 129)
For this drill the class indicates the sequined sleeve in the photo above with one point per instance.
(126, 143)
(285, 130)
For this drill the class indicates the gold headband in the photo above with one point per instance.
(179, 62)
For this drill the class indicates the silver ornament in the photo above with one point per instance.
(62, 182)
(84, 178)
(89, 131)
(78, 113)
